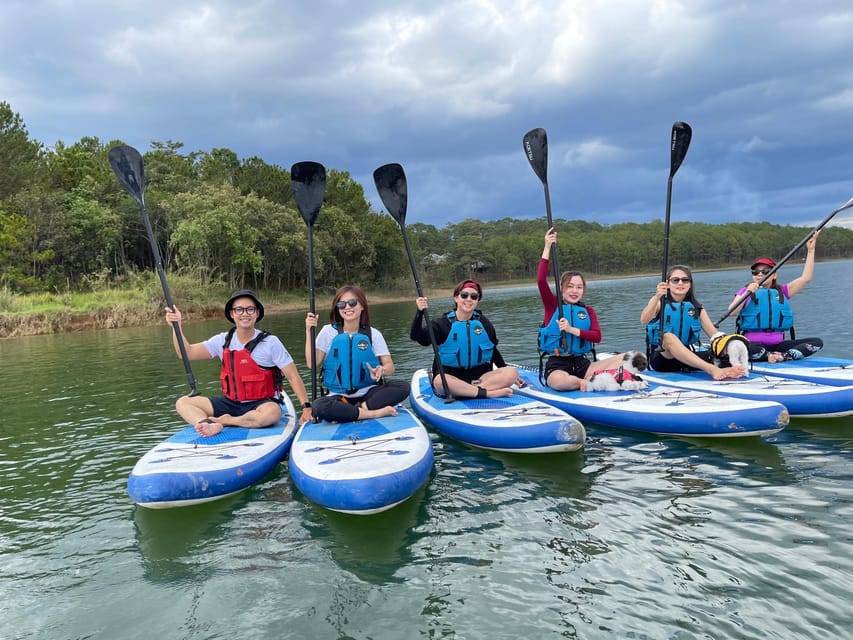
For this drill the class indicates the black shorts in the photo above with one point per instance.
(657, 362)
(466, 375)
(573, 365)
(222, 405)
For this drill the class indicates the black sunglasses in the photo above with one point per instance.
(342, 304)
(760, 272)
(676, 280)
(465, 295)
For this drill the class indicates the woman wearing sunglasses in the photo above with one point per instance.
(684, 319)
(354, 360)
(467, 347)
(765, 315)
(568, 339)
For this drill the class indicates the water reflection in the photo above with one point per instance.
(171, 541)
(633, 535)
(371, 547)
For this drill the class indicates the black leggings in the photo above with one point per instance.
(788, 348)
(336, 408)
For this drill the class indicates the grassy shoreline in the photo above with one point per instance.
(40, 314)
(139, 302)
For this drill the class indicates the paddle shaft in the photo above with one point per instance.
(308, 180)
(419, 289)
(679, 142)
(787, 257)
(664, 297)
(535, 144)
(126, 163)
(313, 362)
(555, 268)
(158, 263)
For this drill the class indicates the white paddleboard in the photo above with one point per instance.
(362, 467)
(518, 424)
(187, 468)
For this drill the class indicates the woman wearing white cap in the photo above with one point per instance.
(766, 314)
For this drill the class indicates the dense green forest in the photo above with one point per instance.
(66, 225)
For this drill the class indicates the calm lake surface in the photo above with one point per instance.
(633, 536)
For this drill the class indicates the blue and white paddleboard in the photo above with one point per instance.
(517, 424)
(188, 469)
(361, 467)
(835, 372)
(801, 398)
(663, 410)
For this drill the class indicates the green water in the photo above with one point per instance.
(634, 536)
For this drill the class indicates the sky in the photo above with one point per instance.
(448, 88)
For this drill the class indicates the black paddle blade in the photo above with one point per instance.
(308, 180)
(536, 149)
(681, 135)
(127, 165)
(391, 184)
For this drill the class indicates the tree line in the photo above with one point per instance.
(66, 224)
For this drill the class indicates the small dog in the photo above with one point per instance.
(738, 354)
(626, 377)
(732, 347)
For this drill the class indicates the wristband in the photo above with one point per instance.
(306, 405)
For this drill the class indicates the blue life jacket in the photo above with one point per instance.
(679, 318)
(467, 345)
(767, 310)
(345, 366)
(549, 335)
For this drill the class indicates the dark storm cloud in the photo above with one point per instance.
(448, 89)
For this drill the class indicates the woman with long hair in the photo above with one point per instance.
(354, 359)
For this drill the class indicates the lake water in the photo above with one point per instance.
(633, 536)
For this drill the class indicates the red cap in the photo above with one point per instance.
(765, 261)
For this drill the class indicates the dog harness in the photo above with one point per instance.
(620, 374)
(720, 343)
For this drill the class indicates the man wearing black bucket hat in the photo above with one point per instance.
(253, 363)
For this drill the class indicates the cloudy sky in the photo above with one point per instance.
(448, 88)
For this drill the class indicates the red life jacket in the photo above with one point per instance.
(242, 378)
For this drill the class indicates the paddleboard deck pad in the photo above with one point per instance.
(801, 398)
(362, 467)
(187, 468)
(661, 409)
(518, 424)
(835, 372)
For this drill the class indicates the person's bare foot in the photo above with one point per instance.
(365, 414)
(584, 385)
(208, 427)
(503, 392)
(774, 356)
(727, 372)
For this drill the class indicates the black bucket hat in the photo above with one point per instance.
(243, 293)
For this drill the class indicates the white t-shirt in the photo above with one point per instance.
(269, 352)
(328, 333)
